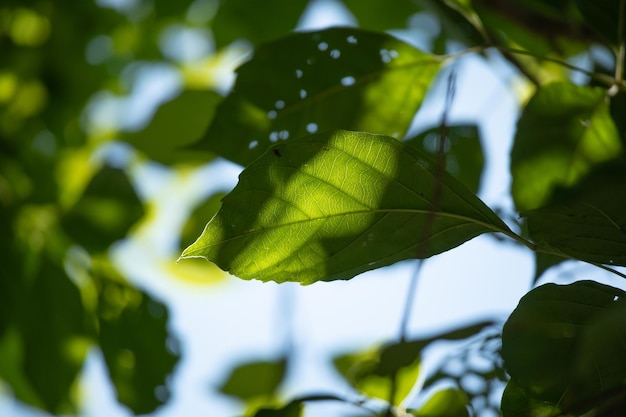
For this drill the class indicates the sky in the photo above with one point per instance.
(222, 325)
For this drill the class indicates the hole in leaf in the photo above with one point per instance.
(351, 39)
(348, 81)
(322, 46)
(283, 134)
(279, 104)
(298, 73)
(303, 94)
(253, 144)
(271, 114)
(311, 127)
(274, 137)
(335, 53)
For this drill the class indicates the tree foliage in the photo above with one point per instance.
(334, 183)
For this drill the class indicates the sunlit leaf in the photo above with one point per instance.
(541, 340)
(106, 211)
(366, 373)
(564, 131)
(177, 123)
(587, 221)
(244, 20)
(336, 204)
(445, 403)
(134, 339)
(463, 152)
(311, 82)
(255, 379)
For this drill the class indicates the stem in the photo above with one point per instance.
(621, 51)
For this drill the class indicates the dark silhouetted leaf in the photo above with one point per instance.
(105, 212)
(133, 336)
(247, 20)
(464, 153)
(547, 346)
(255, 379)
(336, 204)
(543, 262)
(564, 131)
(293, 409)
(377, 15)
(588, 221)
(517, 403)
(340, 78)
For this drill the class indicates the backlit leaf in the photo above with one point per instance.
(255, 379)
(564, 131)
(336, 204)
(445, 403)
(340, 78)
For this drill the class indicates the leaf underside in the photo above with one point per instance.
(333, 205)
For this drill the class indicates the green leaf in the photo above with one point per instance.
(106, 211)
(587, 221)
(251, 380)
(543, 262)
(377, 15)
(197, 219)
(243, 19)
(517, 403)
(52, 337)
(449, 402)
(564, 131)
(541, 340)
(464, 153)
(336, 204)
(133, 336)
(293, 409)
(311, 82)
(370, 374)
(176, 124)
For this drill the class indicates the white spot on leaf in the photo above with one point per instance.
(311, 127)
(348, 81)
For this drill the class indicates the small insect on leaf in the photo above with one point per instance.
(276, 152)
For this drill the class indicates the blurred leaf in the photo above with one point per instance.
(366, 373)
(105, 212)
(603, 17)
(333, 205)
(138, 351)
(168, 8)
(251, 380)
(541, 341)
(587, 221)
(377, 15)
(464, 153)
(244, 19)
(543, 262)
(293, 409)
(312, 82)
(517, 403)
(52, 338)
(449, 402)
(176, 124)
(198, 218)
(564, 131)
